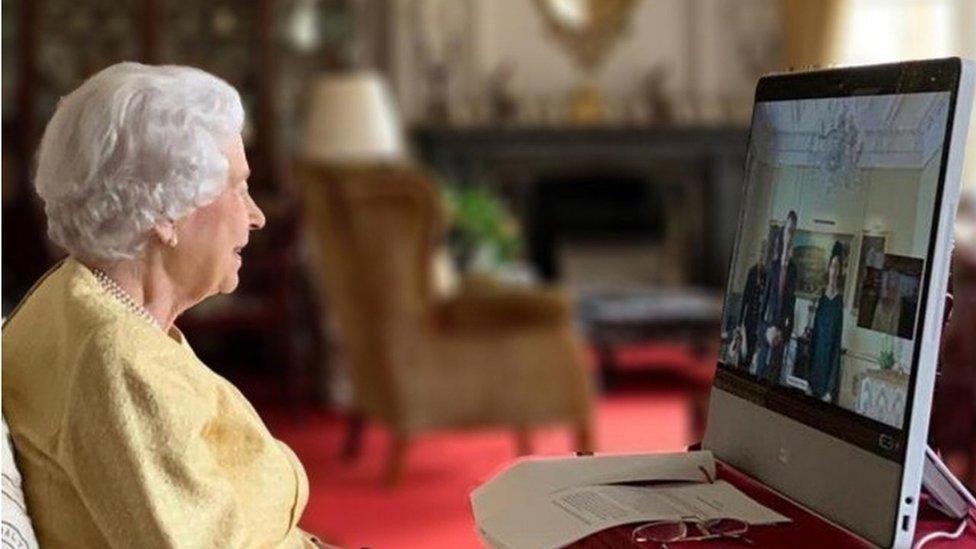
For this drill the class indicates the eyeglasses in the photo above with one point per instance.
(665, 532)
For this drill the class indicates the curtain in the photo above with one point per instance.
(873, 31)
(810, 30)
(964, 15)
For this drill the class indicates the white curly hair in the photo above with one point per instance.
(133, 145)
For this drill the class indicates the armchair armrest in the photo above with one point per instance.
(484, 304)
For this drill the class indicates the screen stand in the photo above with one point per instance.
(948, 495)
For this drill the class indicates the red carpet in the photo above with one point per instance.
(430, 507)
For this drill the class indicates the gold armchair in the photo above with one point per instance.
(487, 357)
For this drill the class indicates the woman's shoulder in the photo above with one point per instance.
(67, 314)
(65, 303)
(127, 370)
(65, 344)
(127, 342)
(827, 303)
(134, 352)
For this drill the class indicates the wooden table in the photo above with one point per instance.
(675, 314)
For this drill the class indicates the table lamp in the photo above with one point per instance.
(352, 120)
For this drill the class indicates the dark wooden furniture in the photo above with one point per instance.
(667, 315)
(687, 316)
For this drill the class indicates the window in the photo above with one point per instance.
(876, 31)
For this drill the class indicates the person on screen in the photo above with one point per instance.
(751, 305)
(887, 312)
(775, 247)
(825, 336)
(780, 303)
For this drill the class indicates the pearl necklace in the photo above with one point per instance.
(118, 293)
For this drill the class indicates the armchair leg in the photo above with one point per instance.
(352, 445)
(583, 433)
(523, 441)
(394, 465)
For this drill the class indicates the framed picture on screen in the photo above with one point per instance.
(871, 255)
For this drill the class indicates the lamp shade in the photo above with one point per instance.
(352, 120)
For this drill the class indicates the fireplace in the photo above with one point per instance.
(606, 208)
(605, 227)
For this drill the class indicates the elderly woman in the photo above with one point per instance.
(124, 438)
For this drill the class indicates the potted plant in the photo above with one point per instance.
(483, 234)
(889, 357)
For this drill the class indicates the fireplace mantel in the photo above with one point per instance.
(678, 140)
(701, 165)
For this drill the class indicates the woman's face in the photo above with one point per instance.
(833, 271)
(208, 254)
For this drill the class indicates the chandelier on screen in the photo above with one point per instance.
(838, 152)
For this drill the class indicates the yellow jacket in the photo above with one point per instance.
(125, 439)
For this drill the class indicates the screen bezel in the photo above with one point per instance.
(893, 79)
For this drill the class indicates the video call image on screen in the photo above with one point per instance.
(824, 292)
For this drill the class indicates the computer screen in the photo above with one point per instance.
(823, 301)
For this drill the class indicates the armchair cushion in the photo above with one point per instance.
(501, 309)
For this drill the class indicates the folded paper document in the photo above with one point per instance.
(541, 503)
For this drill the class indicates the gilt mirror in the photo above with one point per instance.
(586, 29)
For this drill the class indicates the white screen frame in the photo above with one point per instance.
(834, 478)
